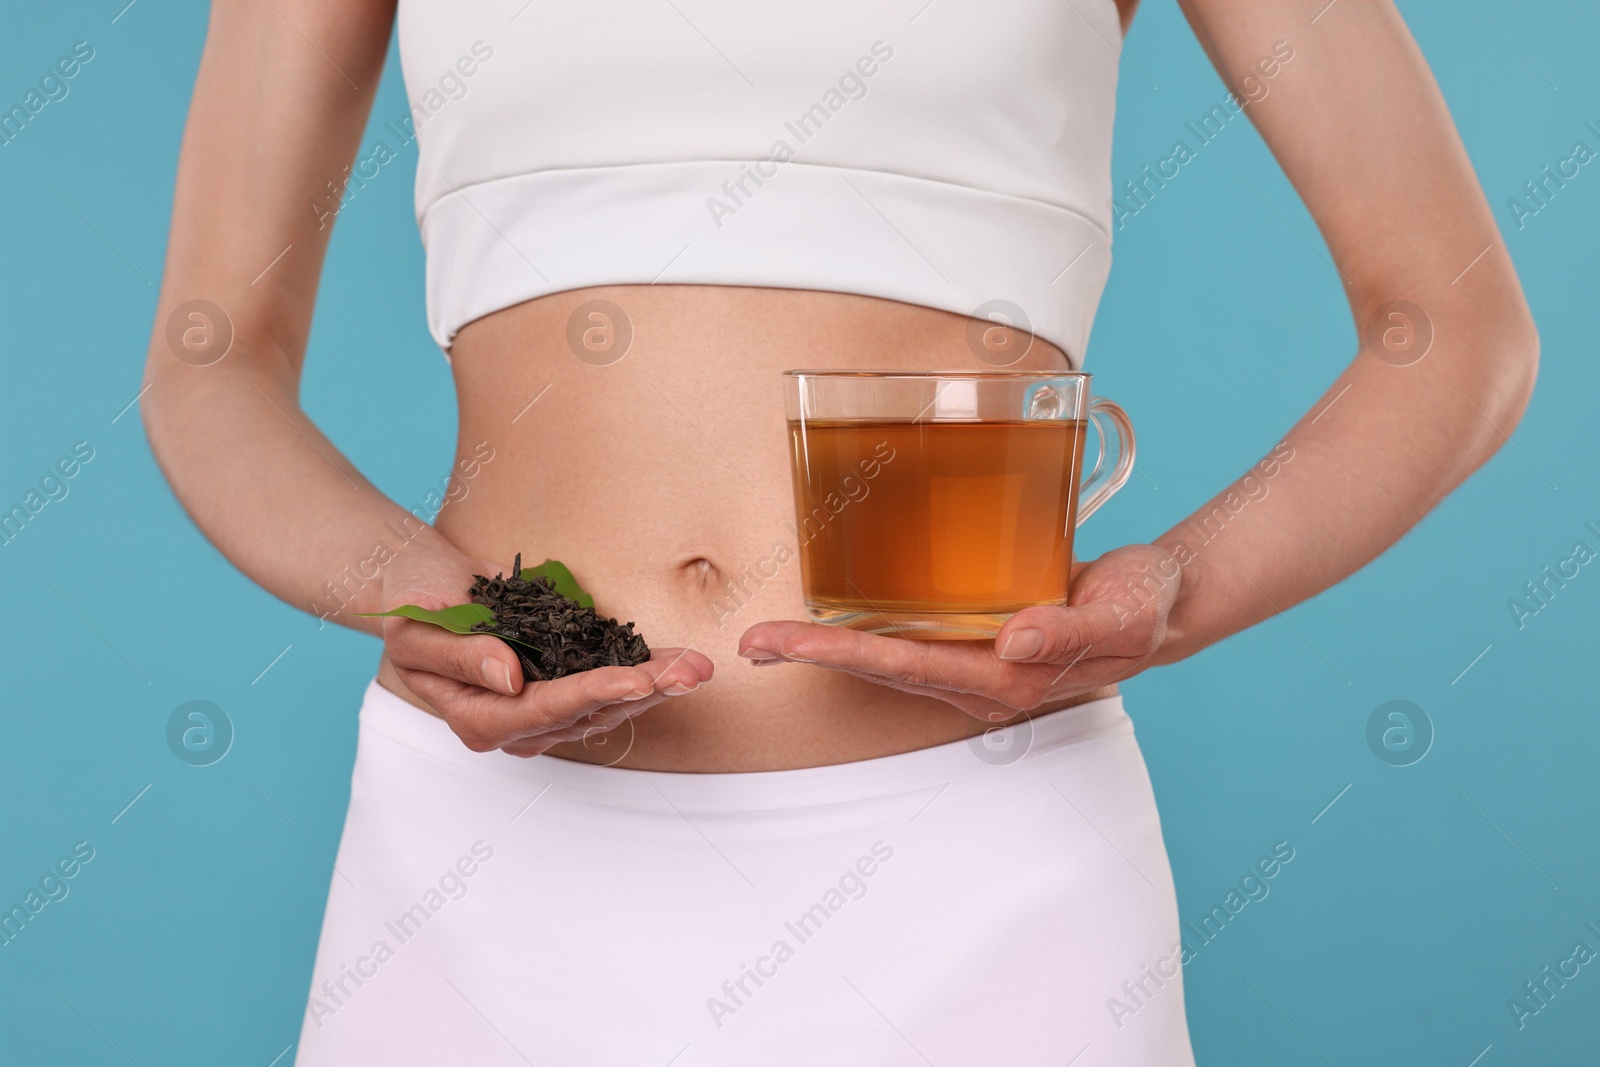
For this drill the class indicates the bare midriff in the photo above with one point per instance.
(663, 477)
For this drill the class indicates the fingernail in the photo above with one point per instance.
(758, 653)
(635, 695)
(496, 675)
(678, 689)
(1022, 644)
(767, 662)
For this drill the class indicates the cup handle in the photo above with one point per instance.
(1100, 486)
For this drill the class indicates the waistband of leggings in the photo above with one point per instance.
(1023, 743)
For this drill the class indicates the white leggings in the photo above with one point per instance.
(978, 902)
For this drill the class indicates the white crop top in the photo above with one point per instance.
(947, 153)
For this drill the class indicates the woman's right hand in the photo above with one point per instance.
(475, 683)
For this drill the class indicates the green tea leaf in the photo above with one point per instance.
(459, 619)
(561, 579)
(462, 618)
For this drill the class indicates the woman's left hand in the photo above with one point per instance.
(1113, 625)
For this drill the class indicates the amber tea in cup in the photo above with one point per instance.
(938, 505)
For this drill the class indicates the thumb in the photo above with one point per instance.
(1051, 633)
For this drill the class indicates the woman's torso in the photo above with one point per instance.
(662, 477)
(591, 152)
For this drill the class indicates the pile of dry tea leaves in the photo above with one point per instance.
(552, 634)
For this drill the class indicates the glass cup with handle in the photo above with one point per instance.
(937, 505)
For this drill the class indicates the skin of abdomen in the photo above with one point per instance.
(662, 479)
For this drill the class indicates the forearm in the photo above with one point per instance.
(1376, 453)
(274, 495)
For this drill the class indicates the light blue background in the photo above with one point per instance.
(1397, 934)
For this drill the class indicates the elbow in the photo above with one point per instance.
(189, 379)
(161, 410)
(1517, 369)
(1500, 384)
(164, 396)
